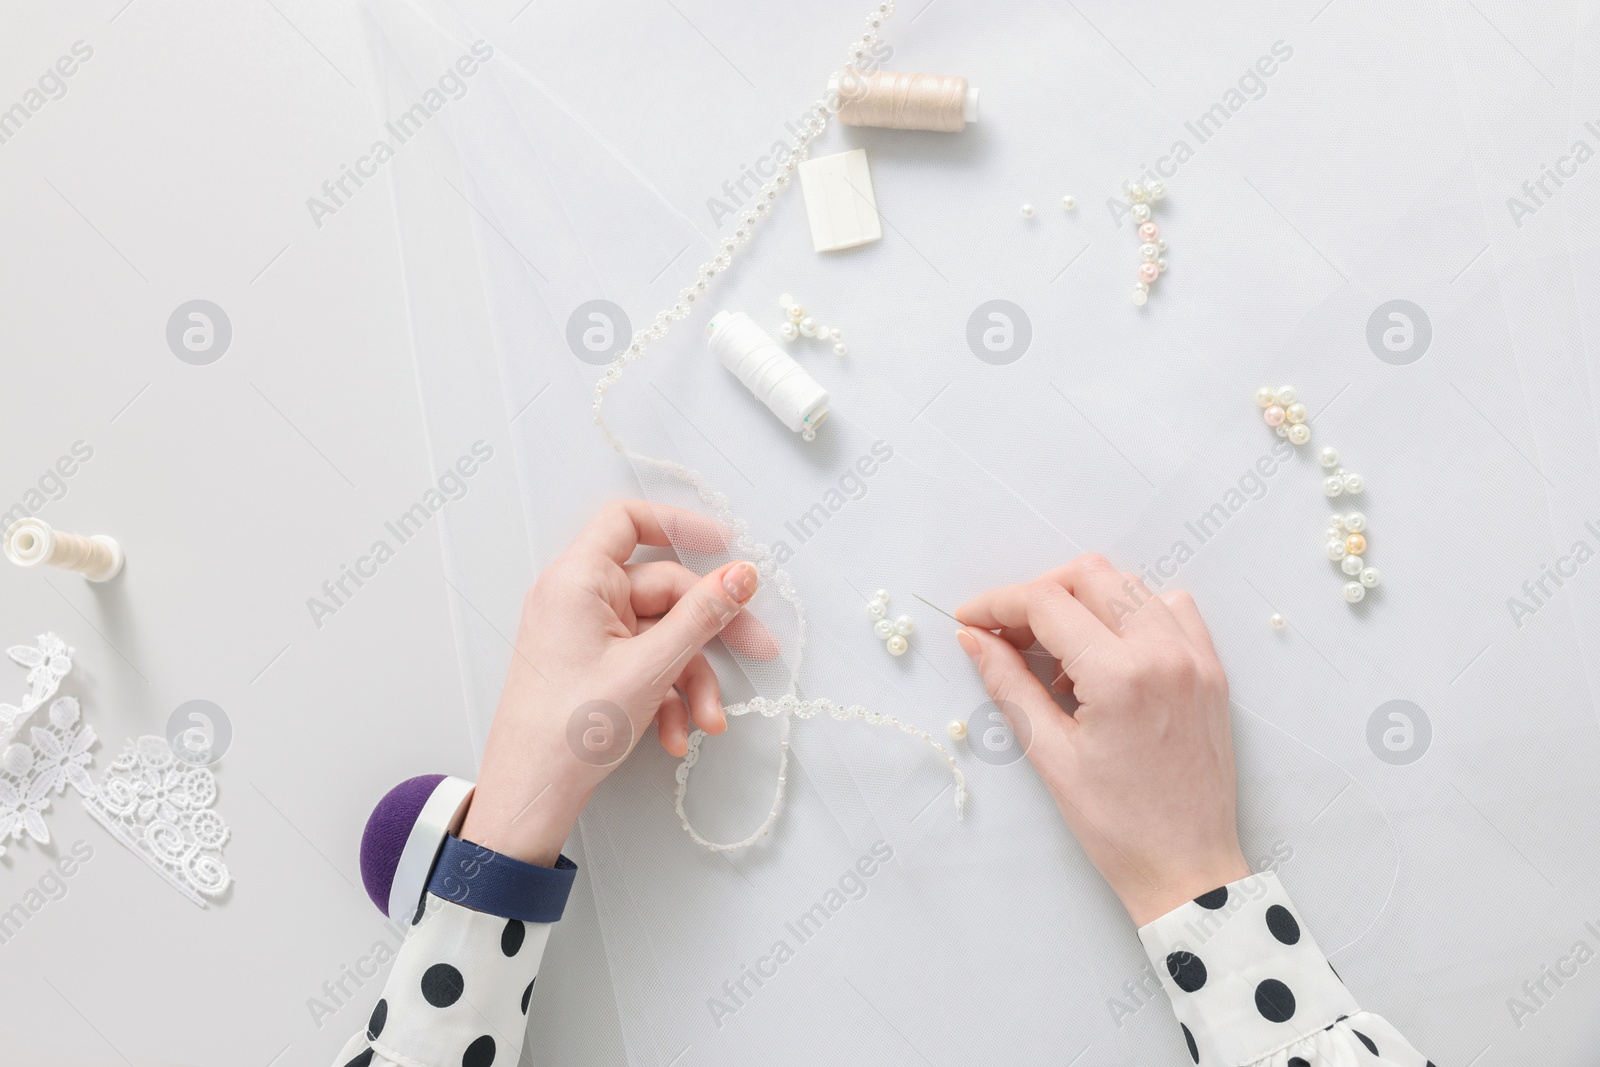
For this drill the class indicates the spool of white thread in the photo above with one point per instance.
(768, 372)
(30, 542)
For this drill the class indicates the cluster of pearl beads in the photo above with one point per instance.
(892, 632)
(1347, 546)
(1281, 409)
(1339, 482)
(1152, 249)
(796, 323)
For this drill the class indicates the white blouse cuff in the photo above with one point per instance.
(1250, 986)
(458, 993)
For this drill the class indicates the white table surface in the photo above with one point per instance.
(178, 166)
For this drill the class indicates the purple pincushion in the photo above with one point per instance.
(388, 829)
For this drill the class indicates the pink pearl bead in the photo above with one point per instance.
(1273, 415)
(1148, 272)
(1149, 232)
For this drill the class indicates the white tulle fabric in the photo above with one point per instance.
(160, 808)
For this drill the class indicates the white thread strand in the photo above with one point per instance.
(772, 575)
(31, 543)
(768, 371)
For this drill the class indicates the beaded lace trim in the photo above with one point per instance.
(758, 553)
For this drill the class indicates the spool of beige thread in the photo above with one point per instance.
(30, 542)
(899, 100)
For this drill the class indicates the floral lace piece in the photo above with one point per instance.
(160, 808)
(48, 660)
(58, 756)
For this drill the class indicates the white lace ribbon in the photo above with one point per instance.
(772, 575)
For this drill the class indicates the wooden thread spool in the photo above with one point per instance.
(31, 542)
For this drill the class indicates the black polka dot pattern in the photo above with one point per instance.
(380, 1015)
(1187, 970)
(442, 985)
(1249, 984)
(361, 1060)
(511, 938)
(1274, 1001)
(527, 995)
(480, 1053)
(1283, 925)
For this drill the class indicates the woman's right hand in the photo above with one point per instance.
(1143, 771)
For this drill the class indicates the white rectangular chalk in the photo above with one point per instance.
(839, 201)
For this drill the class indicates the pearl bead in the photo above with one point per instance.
(1264, 397)
(1157, 190)
(1352, 565)
(1148, 272)
(877, 609)
(1295, 412)
(836, 333)
(1354, 591)
(957, 729)
(896, 645)
(796, 313)
(840, 349)
(1281, 431)
(1273, 416)
(1336, 549)
(1141, 295)
(884, 629)
(1278, 621)
(1287, 395)
(1300, 433)
(1329, 457)
(1027, 213)
(1333, 533)
(1141, 212)
(1354, 483)
(808, 327)
(1371, 577)
(1355, 544)
(1149, 253)
(1332, 486)
(1135, 192)
(905, 625)
(881, 594)
(1355, 522)
(1338, 521)
(1068, 203)
(1149, 232)
(788, 331)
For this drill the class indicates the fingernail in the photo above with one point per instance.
(740, 582)
(968, 643)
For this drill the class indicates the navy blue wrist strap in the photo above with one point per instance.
(483, 880)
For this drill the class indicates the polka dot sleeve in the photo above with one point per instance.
(1251, 988)
(458, 993)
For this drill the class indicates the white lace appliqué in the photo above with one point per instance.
(160, 808)
(48, 660)
(58, 756)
